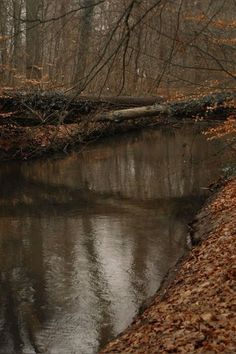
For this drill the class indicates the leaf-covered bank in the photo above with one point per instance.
(37, 124)
(196, 313)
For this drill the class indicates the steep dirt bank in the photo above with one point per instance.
(23, 143)
(196, 313)
(38, 124)
(35, 124)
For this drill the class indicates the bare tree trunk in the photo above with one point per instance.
(134, 113)
(84, 42)
(17, 47)
(33, 43)
(3, 44)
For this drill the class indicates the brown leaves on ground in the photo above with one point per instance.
(25, 142)
(197, 313)
(226, 128)
(18, 142)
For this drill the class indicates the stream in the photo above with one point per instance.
(86, 237)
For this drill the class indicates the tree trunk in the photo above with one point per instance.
(132, 100)
(83, 43)
(33, 41)
(36, 109)
(218, 105)
(17, 47)
(133, 113)
(3, 42)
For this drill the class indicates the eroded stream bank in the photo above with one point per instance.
(196, 312)
(86, 238)
(36, 124)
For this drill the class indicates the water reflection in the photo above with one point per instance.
(86, 238)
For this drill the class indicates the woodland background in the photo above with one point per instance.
(109, 47)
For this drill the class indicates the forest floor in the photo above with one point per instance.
(196, 312)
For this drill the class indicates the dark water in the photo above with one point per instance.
(84, 239)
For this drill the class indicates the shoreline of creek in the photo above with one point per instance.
(194, 311)
(40, 142)
(35, 125)
(23, 143)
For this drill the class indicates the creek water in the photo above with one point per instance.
(86, 238)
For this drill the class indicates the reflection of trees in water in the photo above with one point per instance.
(10, 179)
(38, 198)
(157, 244)
(38, 272)
(26, 307)
(97, 281)
(49, 227)
(160, 166)
(9, 318)
(22, 292)
(156, 164)
(23, 277)
(145, 167)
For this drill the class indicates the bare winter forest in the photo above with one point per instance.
(133, 47)
(106, 238)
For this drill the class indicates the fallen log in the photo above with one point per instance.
(218, 105)
(133, 113)
(31, 109)
(39, 109)
(18, 141)
(126, 101)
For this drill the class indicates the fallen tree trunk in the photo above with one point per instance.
(31, 109)
(18, 141)
(219, 105)
(126, 101)
(55, 108)
(133, 113)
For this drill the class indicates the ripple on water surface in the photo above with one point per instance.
(87, 237)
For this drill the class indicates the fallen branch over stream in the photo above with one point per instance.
(35, 124)
(31, 109)
(43, 109)
(133, 113)
(218, 106)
